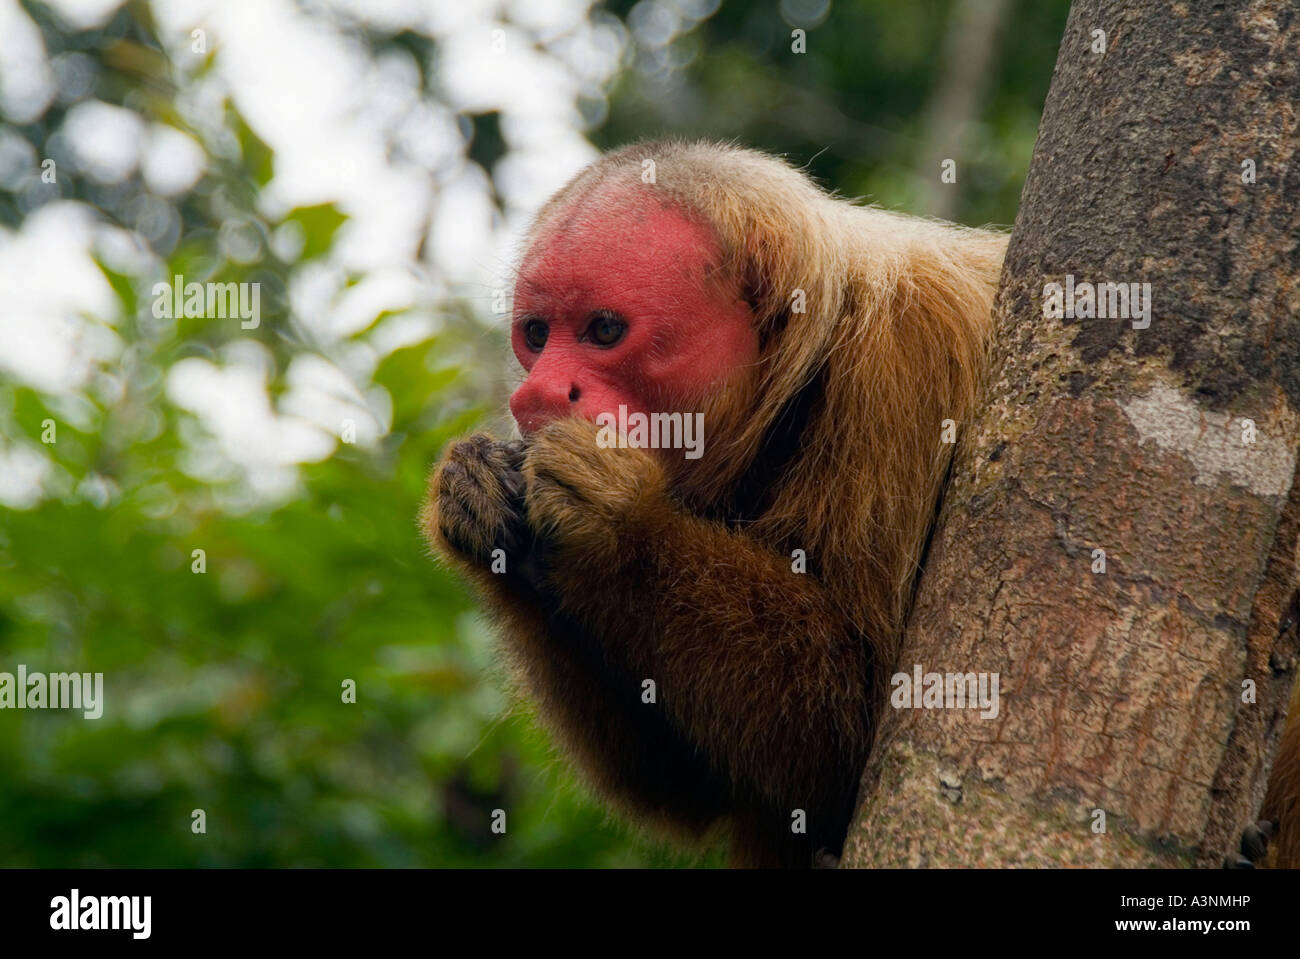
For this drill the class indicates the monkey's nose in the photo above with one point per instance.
(541, 399)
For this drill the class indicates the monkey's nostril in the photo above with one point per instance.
(573, 393)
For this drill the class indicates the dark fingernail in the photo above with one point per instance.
(513, 482)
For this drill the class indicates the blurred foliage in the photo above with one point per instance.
(223, 688)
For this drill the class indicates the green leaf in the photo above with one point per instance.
(258, 157)
(318, 226)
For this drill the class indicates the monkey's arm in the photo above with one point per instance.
(623, 745)
(752, 660)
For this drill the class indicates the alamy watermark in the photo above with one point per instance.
(1086, 300)
(656, 431)
(214, 301)
(922, 690)
(76, 912)
(84, 691)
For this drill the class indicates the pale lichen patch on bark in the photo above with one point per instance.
(1214, 442)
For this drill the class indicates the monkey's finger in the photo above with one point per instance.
(514, 450)
(513, 536)
(512, 481)
(545, 476)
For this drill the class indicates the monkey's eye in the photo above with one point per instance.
(535, 334)
(606, 328)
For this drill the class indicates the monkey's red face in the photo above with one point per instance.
(615, 307)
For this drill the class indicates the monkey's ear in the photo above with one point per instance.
(765, 286)
(756, 290)
(772, 326)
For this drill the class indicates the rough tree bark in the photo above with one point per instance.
(1122, 690)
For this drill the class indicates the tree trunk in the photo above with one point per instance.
(1172, 448)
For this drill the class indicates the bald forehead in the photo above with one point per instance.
(620, 237)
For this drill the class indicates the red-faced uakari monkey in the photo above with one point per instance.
(708, 632)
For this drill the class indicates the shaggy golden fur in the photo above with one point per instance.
(1282, 802)
(639, 567)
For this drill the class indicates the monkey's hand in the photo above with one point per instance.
(757, 667)
(588, 504)
(475, 503)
